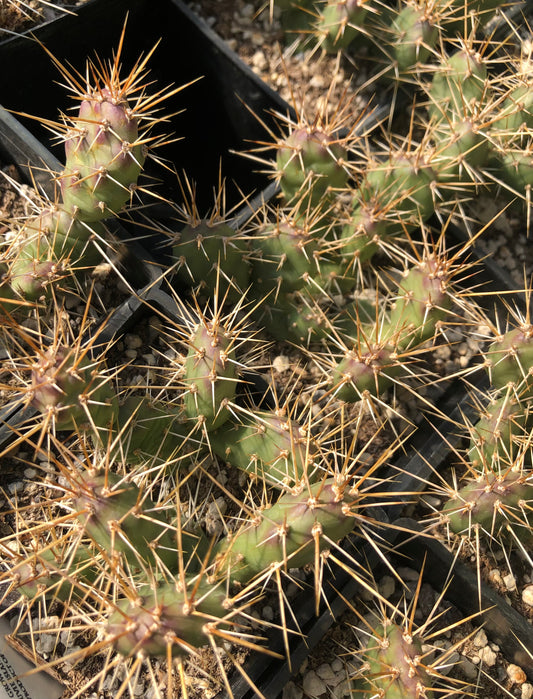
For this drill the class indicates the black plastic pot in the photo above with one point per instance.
(212, 117)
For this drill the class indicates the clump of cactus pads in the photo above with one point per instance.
(106, 145)
(290, 533)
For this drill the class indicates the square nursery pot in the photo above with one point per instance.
(216, 115)
(217, 120)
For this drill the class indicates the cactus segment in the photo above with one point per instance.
(496, 435)
(367, 370)
(209, 376)
(273, 448)
(211, 257)
(287, 257)
(516, 113)
(56, 576)
(403, 184)
(510, 359)
(125, 522)
(459, 87)
(414, 35)
(393, 665)
(421, 303)
(122, 520)
(152, 432)
(310, 163)
(515, 170)
(67, 387)
(340, 22)
(103, 157)
(462, 149)
(288, 533)
(497, 503)
(165, 620)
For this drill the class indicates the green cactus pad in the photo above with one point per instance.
(166, 620)
(211, 257)
(67, 386)
(340, 22)
(394, 667)
(495, 503)
(290, 532)
(309, 163)
(210, 376)
(272, 447)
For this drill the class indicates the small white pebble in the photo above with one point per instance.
(281, 363)
(488, 656)
(480, 639)
(16, 487)
(510, 582)
(527, 691)
(131, 353)
(259, 60)
(527, 595)
(30, 473)
(516, 674)
(495, 577)
(312, 684)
